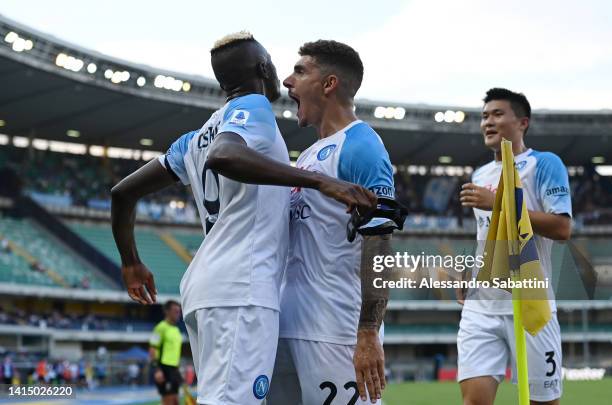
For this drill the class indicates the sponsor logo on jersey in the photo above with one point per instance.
(300, 211)
(261, 386)
(325, 152)
(520, 165)
(239, 117)
(382, 191)
(559, 190)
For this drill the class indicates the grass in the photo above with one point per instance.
(447, 393)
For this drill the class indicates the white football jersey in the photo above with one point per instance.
(242, 257)
(545, 188)
(321, 292)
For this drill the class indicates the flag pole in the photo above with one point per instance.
(508, 173)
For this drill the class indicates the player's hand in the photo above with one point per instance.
(352, 195)
(475, 196)
(369, 362)
(158, 376)
(139, 283)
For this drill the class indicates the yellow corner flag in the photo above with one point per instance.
(511, 255)
(510, 250)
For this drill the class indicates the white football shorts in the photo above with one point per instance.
(486, 345)
(233, 353)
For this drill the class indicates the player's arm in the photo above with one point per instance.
(154, 355)
(230, 156)
(369, 356)
(549, 225)
(148, 179)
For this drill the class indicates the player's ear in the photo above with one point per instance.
(330, 84)
(524, 123)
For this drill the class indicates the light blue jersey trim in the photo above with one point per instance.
(174, 159)
(252, 118)
(552, 183)
(364, 160)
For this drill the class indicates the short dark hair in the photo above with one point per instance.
(169, 304)
(335, 55)
(518, 101)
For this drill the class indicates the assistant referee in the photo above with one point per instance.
(165, 354)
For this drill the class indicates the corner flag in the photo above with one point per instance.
(511, 254)
(510, 250)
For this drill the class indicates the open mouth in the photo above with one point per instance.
(490, 132)
(295, 98)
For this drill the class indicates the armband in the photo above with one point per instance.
(385, 208)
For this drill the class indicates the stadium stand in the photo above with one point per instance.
(47, 257)
(167, 266)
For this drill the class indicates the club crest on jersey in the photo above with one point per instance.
(239, 117)
(520, 165)
(325, 152)
(261, 386)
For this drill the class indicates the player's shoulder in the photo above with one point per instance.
(249, 108)
(545, 158)
(362, 140)
(363, 134)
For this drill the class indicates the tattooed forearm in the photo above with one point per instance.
(373, 300)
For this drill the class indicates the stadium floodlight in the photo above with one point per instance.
(445, 159)
(41, 144)
(159, 81)
(449, 116)
(21, 141)
(108, 74)
(459, 117)
(28, 45)
(598, 160)
(141, 81)
(186, 86)
(116, 77)
(11, 37)
(146, 142)
(19, 45)
(177, 85)
(97, 150)
(91, 68)
(604, 170)
(287, 114)
(439, 116)
(73, 133)
(399, 113)
(4, 139)
(60, 60)
(294, 154)
(389, 112)
(2, 123)
(379, 112)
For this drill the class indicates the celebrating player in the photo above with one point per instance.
(486, 336)
(234, 164)
(328, 278)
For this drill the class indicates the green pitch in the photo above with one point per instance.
(447, 393)
(574, 393)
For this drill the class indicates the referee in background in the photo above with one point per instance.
(165, 354)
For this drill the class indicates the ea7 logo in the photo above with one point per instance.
(520, 165)
(559, 190)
